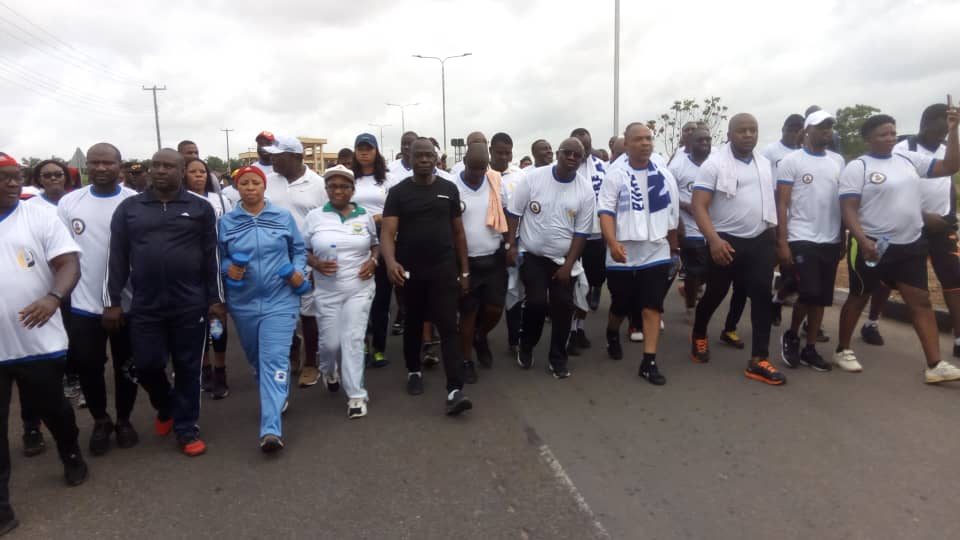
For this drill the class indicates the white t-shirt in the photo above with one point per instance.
(814, 213)
(300, 196)
(401, 173)
(41, 202)
(267, 169)
(740, 215)
(685, 172)
(29, 240)
(371, 195)
(219, 201)
(353, 237)
(934, 192)
(640, 254)
(889, 193)
(231, 194)
(30, 191)
(774, 152)
(509, 180)
(87, 215)
(481, 239)
(553, 211)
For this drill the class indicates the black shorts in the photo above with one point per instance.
(488, 281)
(944, 258)
(695, 256)
(632, 291)
(902, 263)
(814, 272)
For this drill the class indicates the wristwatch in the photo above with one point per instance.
(56, 295)
(465, 275)
(507, 246)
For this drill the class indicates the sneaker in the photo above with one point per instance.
(414, 384)
(270, 444)
(482, 348)
(33, 444)
(558, 372)
(847, 361)
(8, 525)
(593, 298)
(651, 373)
(332, 381)
(821, 337)
(379, 360)
(469, 372)
(286, 407)
(942, 372)
(206, 378)
(636, 336)
(699, 350)
(581, 338)
(74, 468)
(871, 334)
(81, 401)
(127, 436)
(763, 371)
(777, 314)
(614, 350)
(458, 403)
(100, 438)
(524, 358)
(71, 386)
(732, 339)
(162, 427)
(397, 327)
(220, 388)
(191, 445)
(811, 358)
(431, 355)
(790, 350)
(513, 349)
(309, 376)
(572, 348)
(356, 408)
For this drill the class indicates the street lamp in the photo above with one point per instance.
(381, 126)
(443, 87)
(403, 121)
(616, 67)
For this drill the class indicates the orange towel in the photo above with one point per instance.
(496, 219)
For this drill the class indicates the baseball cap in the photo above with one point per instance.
(339, 170)
(366, 138)
(284, 144)
(8, 161)
(816, 118)
(265, 135)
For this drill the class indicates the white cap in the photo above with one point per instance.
(817, 117)
(339, 170)
(284, 144)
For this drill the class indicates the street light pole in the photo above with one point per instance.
(403, 121)
(227, 133)
(443, 87)
(616, 67)
(381, 126)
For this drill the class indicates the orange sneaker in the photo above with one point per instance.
(162, 427)
(699, 350)
(759, 369)
(192, 446)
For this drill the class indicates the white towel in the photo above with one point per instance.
(727, 179)
(647, 205)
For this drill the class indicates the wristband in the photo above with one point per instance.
(56, 295)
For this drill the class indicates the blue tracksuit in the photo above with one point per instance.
(264, 308)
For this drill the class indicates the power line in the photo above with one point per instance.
(42, 92)
(33, 77)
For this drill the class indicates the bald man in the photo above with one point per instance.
(734, 209)
(473, 138)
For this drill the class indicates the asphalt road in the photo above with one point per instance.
(711, 455)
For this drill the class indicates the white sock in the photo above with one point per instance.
(450, 395)
(412, 373)
(578, 324)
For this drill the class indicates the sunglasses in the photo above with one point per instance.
(15, 177)
(565, 152)
(51, 175)
(137, 172)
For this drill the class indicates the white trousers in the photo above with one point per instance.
(342, 322)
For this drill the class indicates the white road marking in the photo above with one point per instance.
(561, 475)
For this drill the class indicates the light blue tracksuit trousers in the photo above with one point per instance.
(266, 341)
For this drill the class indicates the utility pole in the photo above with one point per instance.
(616, 67)
(381, 126)
(156, 112)
(227, 133)
(443, 89)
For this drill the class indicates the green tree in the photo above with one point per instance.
(849, 121)
(669, 125)
(216, 164)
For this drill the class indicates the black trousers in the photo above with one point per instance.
(434, 299)
(738, 302)
(545, 294)
(594, 261)
(514, 322)
(380, 308)
(88, 345)
(178, 338)
(40, 386)
(31, 420)
(752, 272)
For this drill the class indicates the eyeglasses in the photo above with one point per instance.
(15, 177)
(51, 175)
(137, 172)
(566, 152)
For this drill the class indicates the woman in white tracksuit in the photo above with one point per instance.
(342, 248)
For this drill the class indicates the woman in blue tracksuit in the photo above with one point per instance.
(264, 262)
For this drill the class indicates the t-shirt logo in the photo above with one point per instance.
(690, 187)
(78, 226)
(877, 178)
(463, 206)
(535, 207)
(807, 178)
(357, 228)
(26, 258)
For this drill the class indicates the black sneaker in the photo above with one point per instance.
(74, 469)
(414, 384)
(206, 378)
(524, 358)
(33, 444)
(270, 444)
(650, 372)
(572, 348)
(398, 325)
(614, 350)
(581, 338)
(220, 388)
(777, 314)
(126, 435)
(871, 334)
(100, 438)
(790, 349)
(812, 359)
(431, 354)
(469, 373)
(558, 372)
(759, 369)
(593, 298)
(482, 348)
(458, 403)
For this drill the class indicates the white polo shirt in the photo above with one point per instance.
(814, 213)
(353, 236)
(481, 239)
(774, 152)
(219, 201)
(685, 172)
(87, 215)
(934, 192)
(888, 188)
(300, 196)
(553, 211)
(401, 173)
(29, 239)
(370, 194)
(740, 215)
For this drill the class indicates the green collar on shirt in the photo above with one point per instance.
(357, 211)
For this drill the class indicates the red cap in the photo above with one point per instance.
(265, 135)
(249, 169)
(7, 161)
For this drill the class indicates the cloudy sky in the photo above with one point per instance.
(71, 72)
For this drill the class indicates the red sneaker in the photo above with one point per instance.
(163, 427)
(193, 447)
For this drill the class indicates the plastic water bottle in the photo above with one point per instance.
(882, 244)
(328, 256)
(216, 328)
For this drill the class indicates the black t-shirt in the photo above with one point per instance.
(424, 234)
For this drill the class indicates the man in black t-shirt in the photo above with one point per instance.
(423, 245)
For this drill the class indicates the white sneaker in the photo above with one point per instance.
(356, 408)
(332, 381)
(636, 336)
(847, 361)
(942, 372)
